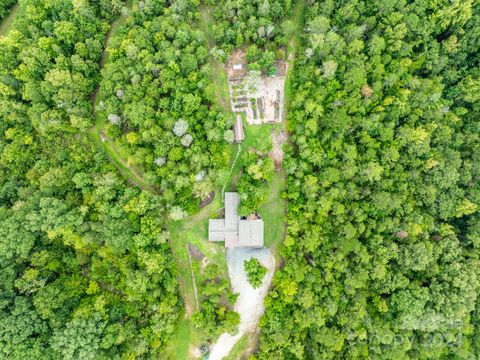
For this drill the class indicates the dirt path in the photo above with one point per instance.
(250, 301)
(193, 278)
(6, 24)
(217, 72)
(97, 132)
(103, 59)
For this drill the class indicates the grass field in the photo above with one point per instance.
(238, 352)
(194, 230)
(178, 347)
(273, 212)
(215, 69)
(6, 24)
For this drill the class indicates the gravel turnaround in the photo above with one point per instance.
(250, 301)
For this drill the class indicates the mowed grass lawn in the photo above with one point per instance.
(273, 212)
(193, 230)
(255, 137)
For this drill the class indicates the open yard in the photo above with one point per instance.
(193, 230)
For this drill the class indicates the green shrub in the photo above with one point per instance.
(255, 272)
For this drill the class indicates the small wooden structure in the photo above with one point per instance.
(238, 129)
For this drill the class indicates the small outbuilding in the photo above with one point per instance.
(238, 129)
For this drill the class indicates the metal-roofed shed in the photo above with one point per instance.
(238, 129)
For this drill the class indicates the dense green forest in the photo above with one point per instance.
(5, 6)
(382, 248)
(251, 22)
(86, 271)
(158, 105)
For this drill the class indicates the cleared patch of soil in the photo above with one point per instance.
(278, 139)
(237, 57)
(207, 200)
(195, 252)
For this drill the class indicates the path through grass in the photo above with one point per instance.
(6, 24)
(116, 156)
(216, 70)
(193, 230)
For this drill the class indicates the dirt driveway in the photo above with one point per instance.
(250, 301)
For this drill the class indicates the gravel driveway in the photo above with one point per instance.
(250, 301)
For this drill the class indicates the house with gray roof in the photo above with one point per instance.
(234, 231)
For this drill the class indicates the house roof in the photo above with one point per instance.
(216, 230)
(231, 239)
(232, 200)
(250, 233)
(235, 232)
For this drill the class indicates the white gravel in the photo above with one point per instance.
(250, 301)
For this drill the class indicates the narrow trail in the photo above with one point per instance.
(239, 150)
(97, 132)
(193, 278)
(7, 22)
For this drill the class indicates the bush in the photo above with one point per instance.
(255, 272)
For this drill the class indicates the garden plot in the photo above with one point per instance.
(260, 97)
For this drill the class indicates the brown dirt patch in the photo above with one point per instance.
(195, 252)
(237, 56)
(278, 139)
(207, 200)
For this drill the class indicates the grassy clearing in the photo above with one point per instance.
(215, 69)
(178, 347)
(6, 24)
(273, 212)
(238, 351)
(194, 230)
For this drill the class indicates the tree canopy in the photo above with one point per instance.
(383, 186)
